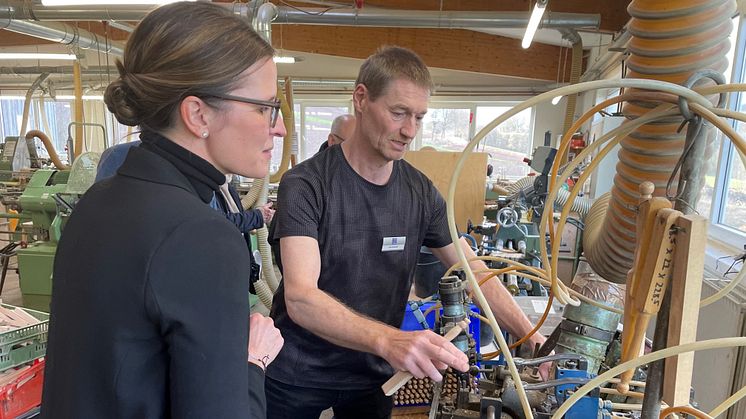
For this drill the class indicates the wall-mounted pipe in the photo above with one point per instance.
(433, 19)
(19, 9)
(613, 55)
(63, 34)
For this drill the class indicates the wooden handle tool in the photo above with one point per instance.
(402, 377)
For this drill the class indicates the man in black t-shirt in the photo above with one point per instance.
(351, 221)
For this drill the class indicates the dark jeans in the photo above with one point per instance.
(286, 401)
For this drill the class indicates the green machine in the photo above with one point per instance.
(14, 157)
(47, 202)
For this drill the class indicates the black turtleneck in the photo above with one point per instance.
(203, 176)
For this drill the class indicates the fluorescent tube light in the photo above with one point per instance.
(556, 100)
(104, 2)
(284, 60)
(533, 22)
(35, 56)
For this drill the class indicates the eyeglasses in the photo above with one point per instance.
(339, 139)
(274, 104)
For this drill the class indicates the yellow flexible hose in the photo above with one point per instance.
(684, 409)
(49, 146)
(288, 119)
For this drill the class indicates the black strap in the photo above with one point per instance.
(585, 330)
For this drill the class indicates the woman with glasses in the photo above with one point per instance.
(150, 315)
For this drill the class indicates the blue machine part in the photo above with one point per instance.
(588, 407)
(411, 321)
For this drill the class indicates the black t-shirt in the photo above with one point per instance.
(369, 239)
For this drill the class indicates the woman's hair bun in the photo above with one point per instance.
(118, 98)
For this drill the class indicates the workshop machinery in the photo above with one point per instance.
(487, 389)
(44, 206)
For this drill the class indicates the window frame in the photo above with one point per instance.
(315, 102)
(719, 231)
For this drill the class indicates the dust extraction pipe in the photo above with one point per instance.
(20, 9)
(58, 32)
(670, 41)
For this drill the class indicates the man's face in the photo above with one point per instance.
(391, 122)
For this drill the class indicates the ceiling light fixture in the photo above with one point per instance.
(104, 2)
(533, 22)
(35, 56)
(556, 100)
(285, 60)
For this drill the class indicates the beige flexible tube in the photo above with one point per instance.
(49, 146)
(597, 213)
(646, 359)
(730, 401)
(256, 197)
(78, 111)
(613, 137)
(572, 89)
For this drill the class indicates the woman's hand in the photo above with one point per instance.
(267, 212)
(265, 340)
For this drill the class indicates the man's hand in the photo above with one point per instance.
(422, 353)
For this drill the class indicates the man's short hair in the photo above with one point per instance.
(391, 63)
(339, 121)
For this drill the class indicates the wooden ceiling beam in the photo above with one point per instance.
(453, 49)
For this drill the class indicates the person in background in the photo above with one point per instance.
(350, 222)
(342, 128)
(149, 316)
(246, 220)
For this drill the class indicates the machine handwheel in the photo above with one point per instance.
(507, 217)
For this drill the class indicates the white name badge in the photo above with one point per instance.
(393, 244)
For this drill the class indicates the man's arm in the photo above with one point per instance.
(422, 353)
(507, 311)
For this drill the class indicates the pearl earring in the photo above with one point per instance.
(205, 134)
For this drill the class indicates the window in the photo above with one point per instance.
(509, 143)
(317, 123)
(446, 129)
(53, 117)
(734, 208)
(724, 195)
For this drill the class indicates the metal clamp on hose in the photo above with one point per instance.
(585, 330)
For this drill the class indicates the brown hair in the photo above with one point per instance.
(178, 50)
(390, 63)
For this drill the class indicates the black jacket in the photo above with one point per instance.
(150, 300)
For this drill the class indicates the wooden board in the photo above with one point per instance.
(686, 289)
(438, 166)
